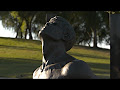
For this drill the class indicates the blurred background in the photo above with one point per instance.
(91, 27)
(20, 47)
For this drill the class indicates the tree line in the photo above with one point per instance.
(90, 26)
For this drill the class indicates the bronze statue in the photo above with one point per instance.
(57, 37)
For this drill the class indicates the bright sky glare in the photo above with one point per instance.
(6, 33)
(9, 33)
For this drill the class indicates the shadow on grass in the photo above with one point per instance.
(92, 48)
(87, 55)
(99, 65)
(19, 48)
(23, 68)
(101, 70)
(22, 40)
(18, 67)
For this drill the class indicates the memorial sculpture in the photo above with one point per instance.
(57, 37)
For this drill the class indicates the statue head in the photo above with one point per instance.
(59, 29)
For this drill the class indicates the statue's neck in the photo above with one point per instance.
(54, 58)
(54, 52)
(64, 57)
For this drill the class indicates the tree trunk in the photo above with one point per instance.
(19, 30)
(30, 26)
(29, 29)
(17, 34)
(26, 34)
(115, 46)
(95, 38)
(21, 35)
(93, 27)
(30, 34)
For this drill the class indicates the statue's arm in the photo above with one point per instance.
(77, 70)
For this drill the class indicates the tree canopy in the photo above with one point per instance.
(90, 26)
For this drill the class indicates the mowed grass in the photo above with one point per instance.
(20, 57)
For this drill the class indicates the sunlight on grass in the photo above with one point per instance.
(19, 53)
(19, 58)
(98, 60)
(102, 73)
(103, 76)
(100, 70)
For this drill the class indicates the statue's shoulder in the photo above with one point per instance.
(75, 63)
(77, 69)
(37, 72)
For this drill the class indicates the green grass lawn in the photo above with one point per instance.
(19, 58)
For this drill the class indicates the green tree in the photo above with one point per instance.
(96, 25)
(90, 26)
(28, 18)
(11, 22)
(20, 21)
